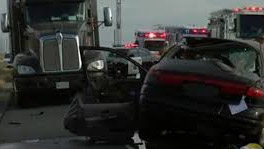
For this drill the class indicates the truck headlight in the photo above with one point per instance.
(96, 65)
(23, 69)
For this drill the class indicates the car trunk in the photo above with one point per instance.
(198, 85)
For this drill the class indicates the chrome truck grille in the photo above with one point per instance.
(60, 53)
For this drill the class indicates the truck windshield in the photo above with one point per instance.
(47, 12)
(154, 45)
(251, 25)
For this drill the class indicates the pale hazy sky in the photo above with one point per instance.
(142, 14)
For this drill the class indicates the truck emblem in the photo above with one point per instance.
(59, 38)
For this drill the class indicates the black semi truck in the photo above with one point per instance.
(45, 36)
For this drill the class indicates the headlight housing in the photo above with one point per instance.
(23, 69)
(96, 65)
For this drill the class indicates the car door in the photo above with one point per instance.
(109, 110)
(147, 58)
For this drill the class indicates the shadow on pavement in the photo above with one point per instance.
(37, 101)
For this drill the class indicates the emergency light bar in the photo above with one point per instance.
(153, 35)
(198, 31)
(131, 45)
(253, 8)
(150, 35)
(248, 9)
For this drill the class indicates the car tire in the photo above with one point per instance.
(261, 138)
(148, 134)
(148, 130)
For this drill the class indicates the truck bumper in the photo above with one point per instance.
(46, 83)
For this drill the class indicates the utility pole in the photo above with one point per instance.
(6, 46)
(118, 30)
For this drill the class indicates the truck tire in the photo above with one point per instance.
(22, 100)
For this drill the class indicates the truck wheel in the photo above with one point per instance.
(12, 100)
(22, 100)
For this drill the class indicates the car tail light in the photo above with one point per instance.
(255, 93)
(227, 87)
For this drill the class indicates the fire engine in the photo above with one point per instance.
(238, 23)
(158, 40)
(153, 40)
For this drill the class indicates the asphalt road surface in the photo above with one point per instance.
(35, 123)
(42, 127)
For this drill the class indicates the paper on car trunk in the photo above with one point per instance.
(242, 106)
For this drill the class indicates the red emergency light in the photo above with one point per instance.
(152, 35)
(163, 35)
(194, 30)
(253, 9)
(199, 31)
(131, 45)
(155, 35)
(204, 31)
(236, 10)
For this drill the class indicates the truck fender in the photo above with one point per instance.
(28, 58)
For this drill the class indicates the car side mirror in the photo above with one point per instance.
(5, 23)
(108, 18)
(167, 44)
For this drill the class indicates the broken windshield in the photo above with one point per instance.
(47, 12)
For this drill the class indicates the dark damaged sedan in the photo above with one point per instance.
(208, 86)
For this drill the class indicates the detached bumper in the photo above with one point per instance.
(49, 82)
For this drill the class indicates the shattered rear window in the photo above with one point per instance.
(241, 59)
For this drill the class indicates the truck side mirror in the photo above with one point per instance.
(108, 18)
(166, 44)
(4, 23)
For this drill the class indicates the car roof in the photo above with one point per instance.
(195, 42)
